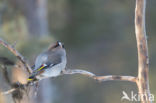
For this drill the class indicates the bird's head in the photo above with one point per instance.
(57, 45)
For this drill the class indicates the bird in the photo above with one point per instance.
(49, 63)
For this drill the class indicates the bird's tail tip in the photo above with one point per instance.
(31, 78)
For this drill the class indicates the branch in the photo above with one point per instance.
(143, 59)
(17, 54)
(88, 74)
(9, 91)
(101, 78)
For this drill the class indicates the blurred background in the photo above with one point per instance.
(99, 36)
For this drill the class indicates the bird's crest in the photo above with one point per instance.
(55, 45)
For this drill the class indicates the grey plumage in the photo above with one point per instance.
(54, 60)
(52, 57)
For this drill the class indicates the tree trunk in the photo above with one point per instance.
(35, 12)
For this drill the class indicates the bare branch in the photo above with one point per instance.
(9, 91)
(101, 78)
(78, 71)
(90, 75)
(17, 54)
(116, 77)
(143, 59)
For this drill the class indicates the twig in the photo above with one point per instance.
(17, 54)
(101, 78)
(78, 71)
(143, 59)
(116, 77)
(9, 91)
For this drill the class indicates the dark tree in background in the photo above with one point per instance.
(35, 12)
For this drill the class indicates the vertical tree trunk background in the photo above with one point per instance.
(35, 12)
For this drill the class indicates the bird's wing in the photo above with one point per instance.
(54, 58)
(37, 72)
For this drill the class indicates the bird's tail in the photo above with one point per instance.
(31, 78)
